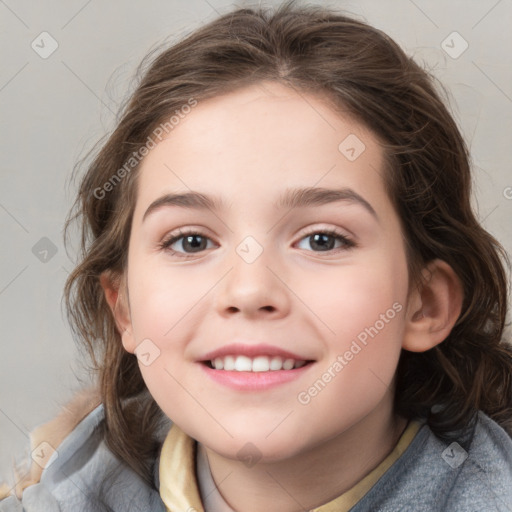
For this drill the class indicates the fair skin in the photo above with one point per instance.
(248, 147)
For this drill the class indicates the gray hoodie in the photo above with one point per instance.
(471, 474)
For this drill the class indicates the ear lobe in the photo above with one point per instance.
(117, 298)
(433, 309)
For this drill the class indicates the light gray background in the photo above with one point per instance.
(54, 109)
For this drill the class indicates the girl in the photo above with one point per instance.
(285, 291)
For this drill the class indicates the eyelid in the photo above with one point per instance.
(327, 228)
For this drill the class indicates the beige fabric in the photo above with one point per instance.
(179, 487)
(178, 483)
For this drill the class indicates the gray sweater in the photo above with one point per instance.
(471, 474)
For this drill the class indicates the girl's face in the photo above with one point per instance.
(296, 258)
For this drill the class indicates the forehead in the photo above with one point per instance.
(264, 137)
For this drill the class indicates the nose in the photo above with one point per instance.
(253, 288)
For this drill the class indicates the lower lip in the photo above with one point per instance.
(254, 381)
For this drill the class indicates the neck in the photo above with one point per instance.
(310, 479)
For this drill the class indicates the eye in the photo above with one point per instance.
(190, 242)
(325, 239)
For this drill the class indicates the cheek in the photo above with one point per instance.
(362, 311)
(161, 298)
(354, 297)
(161, 306)
(166, 305)
(366, 316)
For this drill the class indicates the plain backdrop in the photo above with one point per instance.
(53, 110)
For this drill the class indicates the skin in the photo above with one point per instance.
(248, 146)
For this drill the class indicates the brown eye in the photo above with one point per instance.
(186, 243)
(325, 241)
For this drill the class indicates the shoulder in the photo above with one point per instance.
(45, 438)
(82, 474)
(484, 473)
(472, 472)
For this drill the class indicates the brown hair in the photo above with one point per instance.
(361, 71)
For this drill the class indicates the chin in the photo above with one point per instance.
(251, 453)
(254, 445)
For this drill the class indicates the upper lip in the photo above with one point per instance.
(253, 350)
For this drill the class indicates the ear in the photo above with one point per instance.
(116, 295)
(433, 308)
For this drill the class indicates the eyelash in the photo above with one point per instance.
(347, 242)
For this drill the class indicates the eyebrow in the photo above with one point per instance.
(292, 198)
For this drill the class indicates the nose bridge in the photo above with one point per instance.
(252, 285)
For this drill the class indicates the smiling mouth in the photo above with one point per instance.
(254, 364)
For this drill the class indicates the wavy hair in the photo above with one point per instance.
(361, 71)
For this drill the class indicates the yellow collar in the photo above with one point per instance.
(179, 488)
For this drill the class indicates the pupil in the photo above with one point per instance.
(320, 239)
(196, 246)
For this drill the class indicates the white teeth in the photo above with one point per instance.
(276, 363)
(288, 364)
(243, 364)
(260, 364)
(256, 364)
(229, 363)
